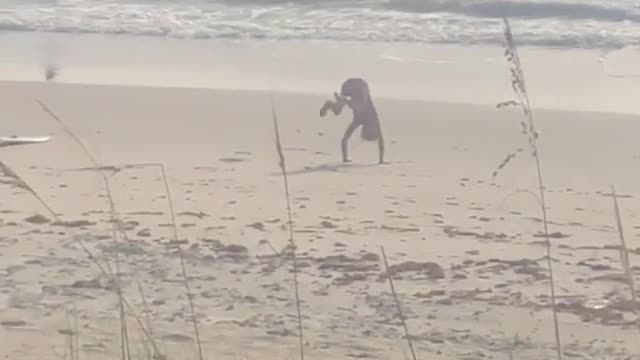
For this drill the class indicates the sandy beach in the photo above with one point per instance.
(464, 247)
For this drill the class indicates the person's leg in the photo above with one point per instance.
(335, 107)
(380, 149)
(345, 139)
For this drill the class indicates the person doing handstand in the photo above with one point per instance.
(355, 94)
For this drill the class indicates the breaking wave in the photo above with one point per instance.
(587, 23)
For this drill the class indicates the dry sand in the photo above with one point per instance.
(480, 280)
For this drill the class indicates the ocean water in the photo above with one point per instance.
(603, 24)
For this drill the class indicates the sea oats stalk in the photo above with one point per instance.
(174, 227)
(76, 330)
(71, 336)
(624, 252)
(397, 301)
(283, 169)
(116, 229)
(147, 318)
(125, 353)
(185, 277)
(519, 87)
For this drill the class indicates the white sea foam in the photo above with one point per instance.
(562, 23)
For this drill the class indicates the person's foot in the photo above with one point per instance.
(324, 108)
(346, 161)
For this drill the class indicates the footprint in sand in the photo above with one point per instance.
(199, 215)
(177, 338)
(155, 213)
(208, 168)
(232, 160)
(328, 224)
(37, 219)
(257, 225)
(144, 233)
(295, 149)
(451, 201)
(399, 229)
(13, 323)
(73, 223)
(219, 227)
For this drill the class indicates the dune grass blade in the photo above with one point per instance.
(77, 331)
(283, 169)
(116, 227)
(519, 86)
(183, 268)
(187, 287)
(194, 318)
(624, 252)
(397, 301)
(154, 345)
(167, 189)
(174, 227)
(71, 334)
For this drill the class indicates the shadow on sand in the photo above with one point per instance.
(337, 167)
